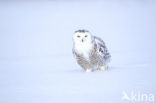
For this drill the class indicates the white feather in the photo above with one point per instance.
(84, 48)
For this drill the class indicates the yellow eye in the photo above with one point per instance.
(86, 35)
(78, 36)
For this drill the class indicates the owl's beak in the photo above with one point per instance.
(82, 40)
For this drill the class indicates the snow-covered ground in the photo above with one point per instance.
(36, 62)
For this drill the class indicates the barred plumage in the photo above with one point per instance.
(90, 51)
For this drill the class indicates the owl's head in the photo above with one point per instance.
(82, 36)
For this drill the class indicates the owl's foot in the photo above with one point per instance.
(88, 70)
(101, 68)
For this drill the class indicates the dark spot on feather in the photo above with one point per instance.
(100, 50)
(82, 31)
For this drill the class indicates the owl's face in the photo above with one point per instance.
(82, 37)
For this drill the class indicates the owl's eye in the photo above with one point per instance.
(86, 35)
(78, 36)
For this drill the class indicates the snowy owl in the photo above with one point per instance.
(90, 51)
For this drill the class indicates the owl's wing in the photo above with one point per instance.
(101, 48)
(98, 40)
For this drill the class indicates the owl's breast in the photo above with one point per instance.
(84, 49)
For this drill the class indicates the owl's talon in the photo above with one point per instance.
(105, 67)
(100, 68)
(88, 70)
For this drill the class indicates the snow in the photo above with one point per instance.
(36, 61)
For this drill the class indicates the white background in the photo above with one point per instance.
(36, 61)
